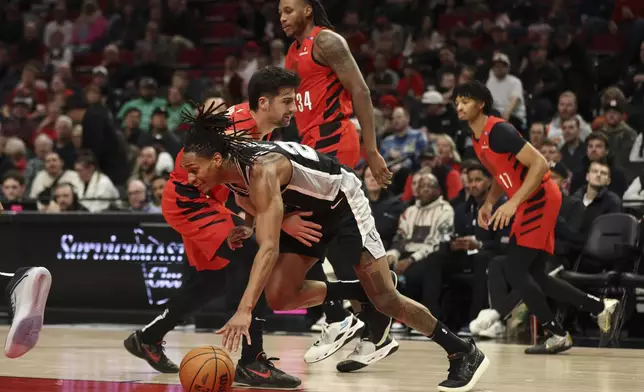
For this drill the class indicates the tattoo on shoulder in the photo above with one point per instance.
(334, 51)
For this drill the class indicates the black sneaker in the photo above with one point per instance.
(154, 354)
(26, 295)
(465, 370)
(261, 373)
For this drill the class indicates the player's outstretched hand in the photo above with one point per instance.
(237, 236)
(503, 215)
(485, 213)
(379, 169)
(235, 329)
(305, 231)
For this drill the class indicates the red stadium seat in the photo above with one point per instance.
(220, 30)
(191, 57)
(227, 11)
(606, 44)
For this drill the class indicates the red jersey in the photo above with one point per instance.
(497, 148)
(321, 100)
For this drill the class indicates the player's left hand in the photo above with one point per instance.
(379, 169)
(235, 329)
(502, 216)
(237, 235)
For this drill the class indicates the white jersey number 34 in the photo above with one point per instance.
(303, 101)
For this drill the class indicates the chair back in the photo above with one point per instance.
(613, 238)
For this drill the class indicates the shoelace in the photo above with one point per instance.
(324, 336)
(455, 366)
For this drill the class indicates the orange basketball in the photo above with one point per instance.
(207, 369)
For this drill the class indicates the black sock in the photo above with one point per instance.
(451, 343)
(592, 304)
(250, 352)
(345, 290)
(554, 327)
(155, 331)
(334, 311)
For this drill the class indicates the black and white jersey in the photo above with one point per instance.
(316, 181)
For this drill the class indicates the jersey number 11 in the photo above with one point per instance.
(505, 180)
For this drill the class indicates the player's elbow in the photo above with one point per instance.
(541, 165)
(359, 90)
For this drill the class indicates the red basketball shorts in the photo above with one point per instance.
(535, 219)
(343, 144)
(203, 223)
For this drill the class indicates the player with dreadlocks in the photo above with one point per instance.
(332, 88)
(269, 177)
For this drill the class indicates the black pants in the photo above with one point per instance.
(525, 271)
(443, 263)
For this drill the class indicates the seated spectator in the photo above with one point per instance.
(570, 217)
(64, 146)
(64, 199)
(30, 47)
(146, 103)
(621, 137)
(162, 47)
(537, 134)
(550, 151)
(48, 124)
(13, 187)
(19, 124)
(53, 174)
(542, 80)
(16, 151)
(233, 80)
(447, 154)
(165, 139)
(597, 148)
(567, 109)
(137, 197)
(156, 185)
(597, 198)
(439, 117)
(382, 80)
(43, 145)
(449, 178)
(90, 26)
(277, 53)
(179, 21)
(59, 23)
(152, 163)
(468, 249)
(573, 151)
(412, 83)
(29, 86)
(385, 208)
(58, 53)
(176, 107)
(119, 73)
(507, 91)
(99, 191)
(127, 27)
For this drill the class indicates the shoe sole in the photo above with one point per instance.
(351, 333)
(475, 378)
(272, 388)
(30, 313)
(557, 351)
(351, 365)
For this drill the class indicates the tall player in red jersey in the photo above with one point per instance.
(222, 267)
(534, 201)
(332, 87)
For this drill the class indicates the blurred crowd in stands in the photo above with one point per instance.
(93, 93)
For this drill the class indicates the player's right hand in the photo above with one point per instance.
(485, 213)
(302, 230)
(237, 236)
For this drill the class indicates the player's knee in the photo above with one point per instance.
(274, 298)
(387, 302)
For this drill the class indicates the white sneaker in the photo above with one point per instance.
(497, 330)
(484, 320)
(27, 293)
(334, 336)
(319, 325)
(367, 353)
(605, 319)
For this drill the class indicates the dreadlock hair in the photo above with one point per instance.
(320, 18)
(207, 135)
(268, 81)
(477, 91)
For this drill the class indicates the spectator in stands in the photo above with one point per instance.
(179, 21)
(248, 64)
(47, 125)
(13, 186)
(166, 139)
(382, 80)
(65, 199)
(77, 137)
(119, 73)
(137, 197)
(251, 23)
(412, 83)
(59, 23)
(30, 46)
(98, 191)
(573, 151)
(64, 146)
(387, 37)
(597, 148)
(163, 48)
(570, 217)
(127, 27)
(542, 80)
(507, 91)
(277, 53)
(16, 151)
(353, 34)
(30, 86)
(152, 163)
(57, 53)
(620, 136)
(52, 174)
(18, 123)
(596, 197)
(146, 103)
(131, 131)
(537, 134)
(501, 44)
(550, 151)
(468, 249)
(63, 96)
(177, 105)
(43, 145)
(156, 186)
(233, 82)
(90, 27)
(386, 208)
(439, 117)
(447, 152)
(567, 109)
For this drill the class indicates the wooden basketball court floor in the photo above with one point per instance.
(93, 359)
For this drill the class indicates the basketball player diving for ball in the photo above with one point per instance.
(534, 201)
(332, 89)
(269, 177)
(222, 270)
